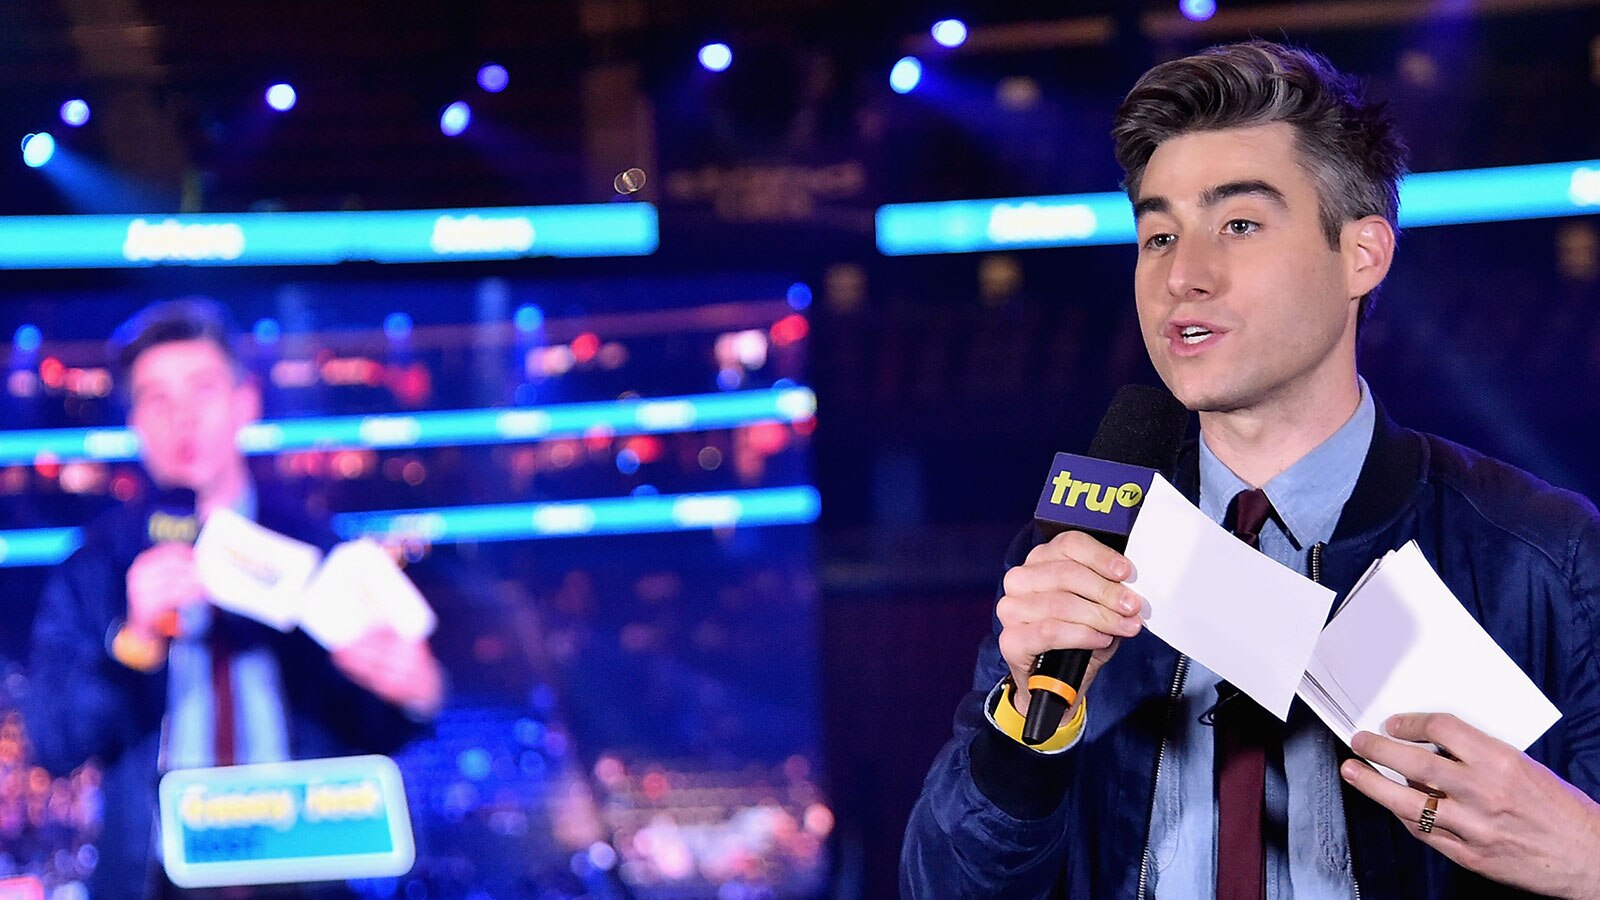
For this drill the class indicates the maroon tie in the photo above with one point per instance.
(221, 689)
(1242, 730)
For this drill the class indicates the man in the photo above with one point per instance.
(106, 682)
(1264, 190)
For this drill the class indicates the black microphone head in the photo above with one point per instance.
(173, 516)
(1143, 427)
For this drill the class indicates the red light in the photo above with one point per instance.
(768, 438)
(52, 372)
(599, 438)
(789, 329)
(647, 449)
(585, 346)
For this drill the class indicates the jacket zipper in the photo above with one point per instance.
(1178, 677)
(1349, 855)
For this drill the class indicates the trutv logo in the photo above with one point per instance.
(1092, 494)
(1097, 497)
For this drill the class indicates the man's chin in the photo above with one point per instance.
(1207, 398)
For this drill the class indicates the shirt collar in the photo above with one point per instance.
(1308, 496)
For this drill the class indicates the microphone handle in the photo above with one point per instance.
(1057, 676)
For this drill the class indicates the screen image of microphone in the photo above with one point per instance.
(1140, 435)
(173, 519)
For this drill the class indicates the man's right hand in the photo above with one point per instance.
(161, 583)
(1067, 595)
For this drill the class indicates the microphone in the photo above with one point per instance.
(173, 519)
(1141, 434)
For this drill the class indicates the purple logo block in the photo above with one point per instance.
(1089, 494)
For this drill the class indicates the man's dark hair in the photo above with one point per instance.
(186, 319)
(1346, 143)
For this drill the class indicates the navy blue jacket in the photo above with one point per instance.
(83, 704)
(998, 820)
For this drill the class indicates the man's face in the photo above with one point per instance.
(1242, 303)
(188, 407)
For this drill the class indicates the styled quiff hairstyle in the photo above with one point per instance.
(170, 321)
(1346, 143)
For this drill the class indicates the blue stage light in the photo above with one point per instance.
(267, 331)
(75, 113)
(716, 57)
(628, 462)
(906, 75)
(493, 78)
(281, 97)
(397, 326)
(455, 118)
(528, 318)
(27, 339)
(37, 149)
(799, 295)
(1197, 10)
(950, 32)
(443, 428)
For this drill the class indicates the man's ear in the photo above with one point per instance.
(247, 401)
(1367, 247)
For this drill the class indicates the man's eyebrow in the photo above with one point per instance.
(1149, 205)
(1213, 195)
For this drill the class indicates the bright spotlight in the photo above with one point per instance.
(950, 32)
(267, 331)
(397, 326)
(716, 57)
(28, 338)
(75, 113)
(528, 318)
(799, 295)
(281, 97)
(455, 118)
(906, 75)
(493, 78)
(37, 149)
(1197, 10)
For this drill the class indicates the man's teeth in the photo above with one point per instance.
(1194, 334)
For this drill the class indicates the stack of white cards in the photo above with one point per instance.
(257, 573)
(1400, 643)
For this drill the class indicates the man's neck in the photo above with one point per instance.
(1261, 442)
(227, 494)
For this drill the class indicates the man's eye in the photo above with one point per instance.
(1241, 226)
(1159, 241)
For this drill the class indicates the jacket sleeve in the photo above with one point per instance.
(991, 820)
(1580, 704)
(81, 703)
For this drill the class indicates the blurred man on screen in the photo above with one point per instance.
(132, 666)
(1265, 193)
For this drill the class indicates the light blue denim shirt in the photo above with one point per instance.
(1307, 847)
(260, 732)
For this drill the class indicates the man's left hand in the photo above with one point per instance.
(401, 671)
(1499, 813)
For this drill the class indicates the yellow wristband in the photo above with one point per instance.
(1010, 722)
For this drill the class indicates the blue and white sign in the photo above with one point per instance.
(326, 238)
(311, 820)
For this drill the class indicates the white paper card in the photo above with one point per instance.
(253, 571)
(1224, 604)
(358, 588)
(1403, 643)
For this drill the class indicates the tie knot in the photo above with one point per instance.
(1247, 512)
